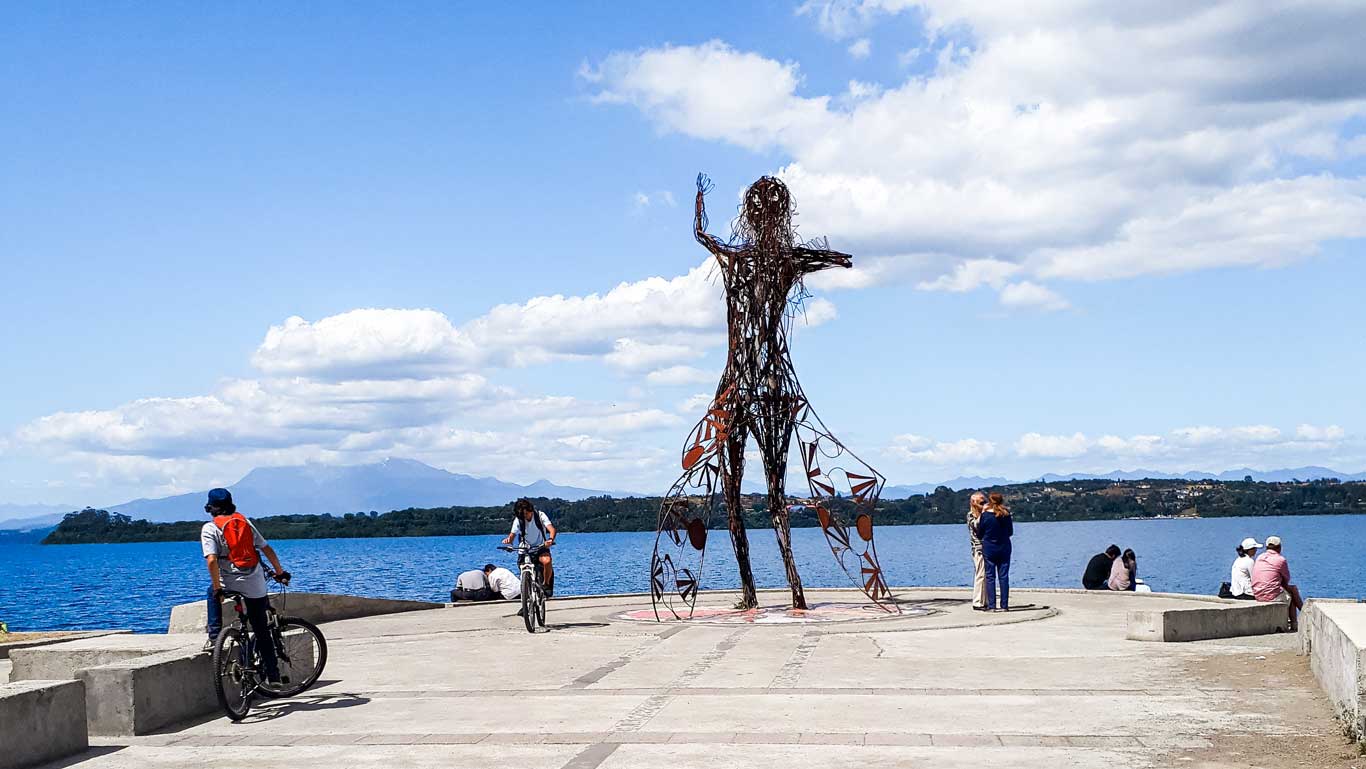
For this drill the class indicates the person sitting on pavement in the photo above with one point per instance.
(473, 585)
(1124, 572)
(536, 536)
(1271, 581)
(1240, 576)
(1097, 575)
(503, 582)
(230, 543)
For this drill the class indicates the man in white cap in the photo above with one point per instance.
(1271, 580)
(1240, 581)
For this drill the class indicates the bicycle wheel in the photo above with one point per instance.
(234, 681)
(529, 601)
(540, 605)
(302, 653)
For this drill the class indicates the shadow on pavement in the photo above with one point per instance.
(272, 709)
(80, 758)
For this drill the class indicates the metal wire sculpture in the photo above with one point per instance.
(762, 266)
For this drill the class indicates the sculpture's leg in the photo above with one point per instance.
(777, 508)
(733, 471)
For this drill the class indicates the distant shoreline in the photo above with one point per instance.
(1090, 500)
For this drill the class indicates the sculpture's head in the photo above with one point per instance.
(767, 206)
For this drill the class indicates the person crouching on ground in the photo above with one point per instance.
(536, 536)
(1124, 572)
(1271, 581)
(979, 569)
(230, 543)
(1240, 576)
(473, 585)
(1097, 575)
(995, 528)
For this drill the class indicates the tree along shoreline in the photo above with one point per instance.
(1057, 501)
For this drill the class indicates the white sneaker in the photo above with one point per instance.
(208, 646)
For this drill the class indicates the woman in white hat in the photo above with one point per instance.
(1240, 580)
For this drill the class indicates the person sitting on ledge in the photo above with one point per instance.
(1271, 581)
(1240, 576)
(1124, 572)
(473, 585)
(503, 582)
(1097, 575)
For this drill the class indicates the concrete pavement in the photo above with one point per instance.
(1056, 686)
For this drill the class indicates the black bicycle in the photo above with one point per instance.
(239, 676)
(533, 590)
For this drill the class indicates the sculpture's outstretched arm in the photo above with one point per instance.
(715, 245)
(815, 259)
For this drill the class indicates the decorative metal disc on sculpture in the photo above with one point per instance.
(762, 266)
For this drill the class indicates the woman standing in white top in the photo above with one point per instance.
(1240, 579)
(979, 568)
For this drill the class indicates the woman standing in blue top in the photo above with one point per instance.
(995, 528)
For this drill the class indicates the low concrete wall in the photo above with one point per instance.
(1240, 618)
(314, 607)
(141, 695)
(6, 648)
(41, 721)
(1333, 635)
(66, 660)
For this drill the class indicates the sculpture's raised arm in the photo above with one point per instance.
(715, 245)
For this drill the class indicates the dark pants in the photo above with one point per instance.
(998, 571)
(482, 594)
(256, 615)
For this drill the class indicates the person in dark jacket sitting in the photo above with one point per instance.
(995, 529)
(1097, 576)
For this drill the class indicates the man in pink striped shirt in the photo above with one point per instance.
(1271, 580)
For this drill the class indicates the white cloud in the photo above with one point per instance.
(694, 405)
(861, 48)
(680, 375)
(1313, 433)
(1027, 295)
(971, 274)
(1043, 138)
(633, 355)
(917, 448)
(1051, 446)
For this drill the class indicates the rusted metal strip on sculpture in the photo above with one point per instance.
(686, 513)
(833, 470)
(762, 268)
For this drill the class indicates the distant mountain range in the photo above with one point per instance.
(396, 484)
(393, 484)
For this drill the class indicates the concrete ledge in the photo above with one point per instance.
(314, 607)
(141, 695)
(7, 647)
(65, 660)
(1230, 621)
(1333, 635)
(41, 721)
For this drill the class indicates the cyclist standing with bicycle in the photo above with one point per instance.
(537, 535)
(230, 543)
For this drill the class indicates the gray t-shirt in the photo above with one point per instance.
(249, 582)
(471, 580)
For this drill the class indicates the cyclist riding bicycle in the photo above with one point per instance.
(537, 535)
(230, 543)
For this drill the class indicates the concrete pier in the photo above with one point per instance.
(1056, 685)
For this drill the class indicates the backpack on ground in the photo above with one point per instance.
(240, 540)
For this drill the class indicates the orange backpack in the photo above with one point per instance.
(241, 544)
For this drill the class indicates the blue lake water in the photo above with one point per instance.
(135, 585)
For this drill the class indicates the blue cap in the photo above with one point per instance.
(220, 497)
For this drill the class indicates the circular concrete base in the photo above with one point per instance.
(817, 613)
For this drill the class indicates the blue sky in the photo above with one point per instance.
(1066, 259)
